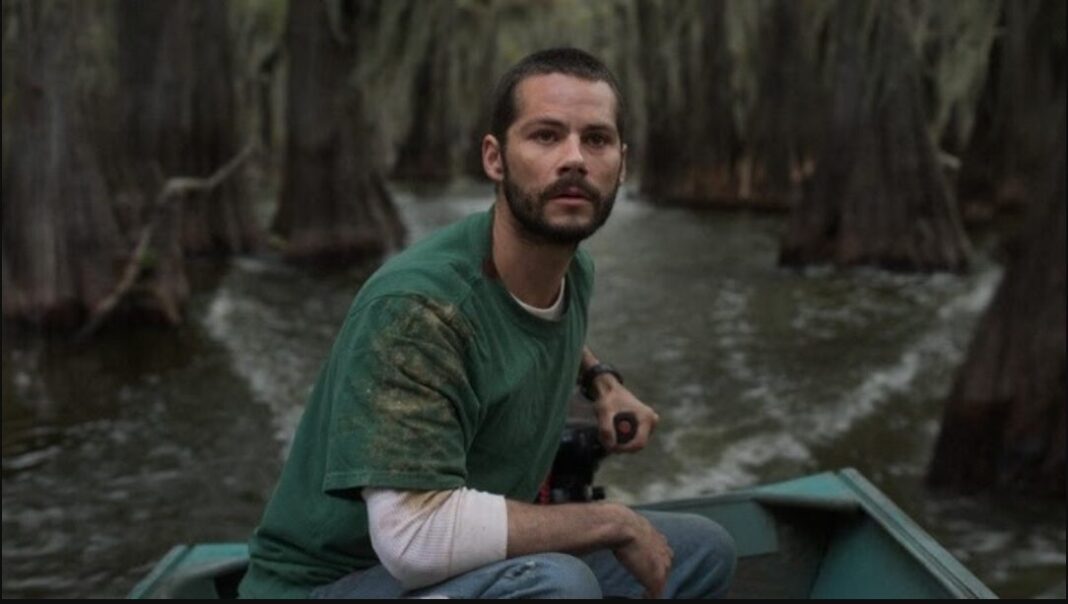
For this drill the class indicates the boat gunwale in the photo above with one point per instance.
(851, 493)
(860, 495)
(953, 575)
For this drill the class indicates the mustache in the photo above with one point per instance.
(570, 181)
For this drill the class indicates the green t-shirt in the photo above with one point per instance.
(437, 380)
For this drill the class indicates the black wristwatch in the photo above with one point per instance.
(590, 374)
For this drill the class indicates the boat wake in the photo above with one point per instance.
(798, 418)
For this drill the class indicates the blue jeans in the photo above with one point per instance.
(702, 568)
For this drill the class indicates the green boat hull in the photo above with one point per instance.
(829, 535)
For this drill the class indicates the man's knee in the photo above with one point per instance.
(705, 554)
(714, 534)
(722, 558)
(692, 531)
(552, 575)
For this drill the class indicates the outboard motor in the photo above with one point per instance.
(571, 478)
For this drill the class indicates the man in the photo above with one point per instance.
(441, 406)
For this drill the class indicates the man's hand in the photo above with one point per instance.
(581, 528)
(614, 398)
(646, 555)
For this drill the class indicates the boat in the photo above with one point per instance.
(826, 535)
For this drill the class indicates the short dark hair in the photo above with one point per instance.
(568, 61)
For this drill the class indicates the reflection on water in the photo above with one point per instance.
(115, 451)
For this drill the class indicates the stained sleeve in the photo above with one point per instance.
(403, 411)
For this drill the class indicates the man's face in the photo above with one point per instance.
(563, 162)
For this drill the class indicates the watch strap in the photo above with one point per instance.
(590, 374)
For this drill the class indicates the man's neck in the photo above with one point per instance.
(530, 270)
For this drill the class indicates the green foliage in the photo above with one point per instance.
(257, 27)
(956, 38)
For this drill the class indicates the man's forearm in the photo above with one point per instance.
(588, 359)
(602, 383)
(575, 528)
(579, 528)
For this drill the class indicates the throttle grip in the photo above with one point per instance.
(626, 426)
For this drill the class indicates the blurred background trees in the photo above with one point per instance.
(878, 195)
(882, 128)
(178, 117)
(334, 205)
(1004, 423)
(62, 239)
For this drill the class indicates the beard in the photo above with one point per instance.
(528, 207)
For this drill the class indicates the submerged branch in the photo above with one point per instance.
(173, 188)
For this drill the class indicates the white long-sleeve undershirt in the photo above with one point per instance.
(424, 537)
(553, 312)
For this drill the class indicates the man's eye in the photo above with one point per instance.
(597, 140)
(545, 136)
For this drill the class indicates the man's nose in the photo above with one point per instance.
(573, 159)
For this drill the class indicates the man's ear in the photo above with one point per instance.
(623, 164)
(492, 158)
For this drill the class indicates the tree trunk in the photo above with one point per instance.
(62, 246)
(1007, 152)
(334, 205)
(431, 151)
(176, 73)
(1004, 423)
(691, 143)
(779, 134)
(878, 196)
(480, 78)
